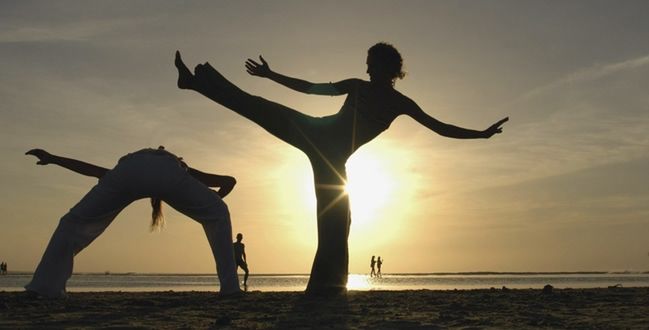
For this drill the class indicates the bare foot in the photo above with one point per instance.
(185, 77)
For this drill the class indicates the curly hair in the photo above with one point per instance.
(388, 57)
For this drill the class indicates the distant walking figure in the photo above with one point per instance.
(372, 264)
(369, 109)
(154, 173)
(3, 268)
(379, 262)
(240, 257)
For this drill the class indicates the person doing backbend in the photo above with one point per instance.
(154, 173)
(328, 142)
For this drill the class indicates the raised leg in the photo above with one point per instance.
(292, 127)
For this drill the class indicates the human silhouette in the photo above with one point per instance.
(372, 264)
(379, 262)
(3, 268)
(369, 109)
(145, 173)
(240, 257)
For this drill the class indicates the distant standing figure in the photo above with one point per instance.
(372, 264)
(240, 257)
(379, 262)
(3, 268)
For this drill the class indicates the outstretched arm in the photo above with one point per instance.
(452, 131)
(74, 165)
(263, 70)
(223, 182)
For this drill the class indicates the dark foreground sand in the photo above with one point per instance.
(621, 308)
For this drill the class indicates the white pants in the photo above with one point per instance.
(142, 174)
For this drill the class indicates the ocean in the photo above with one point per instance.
(85, 282)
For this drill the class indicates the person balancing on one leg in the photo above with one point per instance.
(328, 142)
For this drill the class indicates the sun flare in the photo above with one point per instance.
(369, 186)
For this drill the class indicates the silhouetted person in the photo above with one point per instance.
(154, 173)
(240, 257)
(372, 264)
(369, 109)
(3, 268)
(379, 262)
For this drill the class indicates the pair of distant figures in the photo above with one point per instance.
(370, 107)
(375, 267)
(3, 268)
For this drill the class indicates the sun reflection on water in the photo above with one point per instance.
(358, 282)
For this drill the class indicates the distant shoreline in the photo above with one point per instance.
(385, 274)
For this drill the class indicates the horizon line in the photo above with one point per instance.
(582, 272)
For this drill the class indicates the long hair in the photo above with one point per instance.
(157, 218)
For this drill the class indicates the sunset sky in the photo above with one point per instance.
(564, 188)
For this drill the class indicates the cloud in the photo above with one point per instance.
(73, 31)
(607, 195)
(582, 76)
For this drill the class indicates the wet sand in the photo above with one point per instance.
(613, 308)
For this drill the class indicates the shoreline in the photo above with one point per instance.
(580, 272)
(414, 309)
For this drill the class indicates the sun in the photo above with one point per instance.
(369, 186)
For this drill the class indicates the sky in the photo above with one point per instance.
(565, 187)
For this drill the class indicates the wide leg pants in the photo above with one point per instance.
(142, 174)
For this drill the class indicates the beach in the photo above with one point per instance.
(601, 308)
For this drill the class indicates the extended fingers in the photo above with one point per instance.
(251, 62)
(496, 127)
(252, 67)
(41, 154)
(35, 152)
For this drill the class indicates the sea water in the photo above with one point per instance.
(85, 282)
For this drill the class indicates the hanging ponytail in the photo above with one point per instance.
(157, 218)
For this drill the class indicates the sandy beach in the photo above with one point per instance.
(621, 308)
